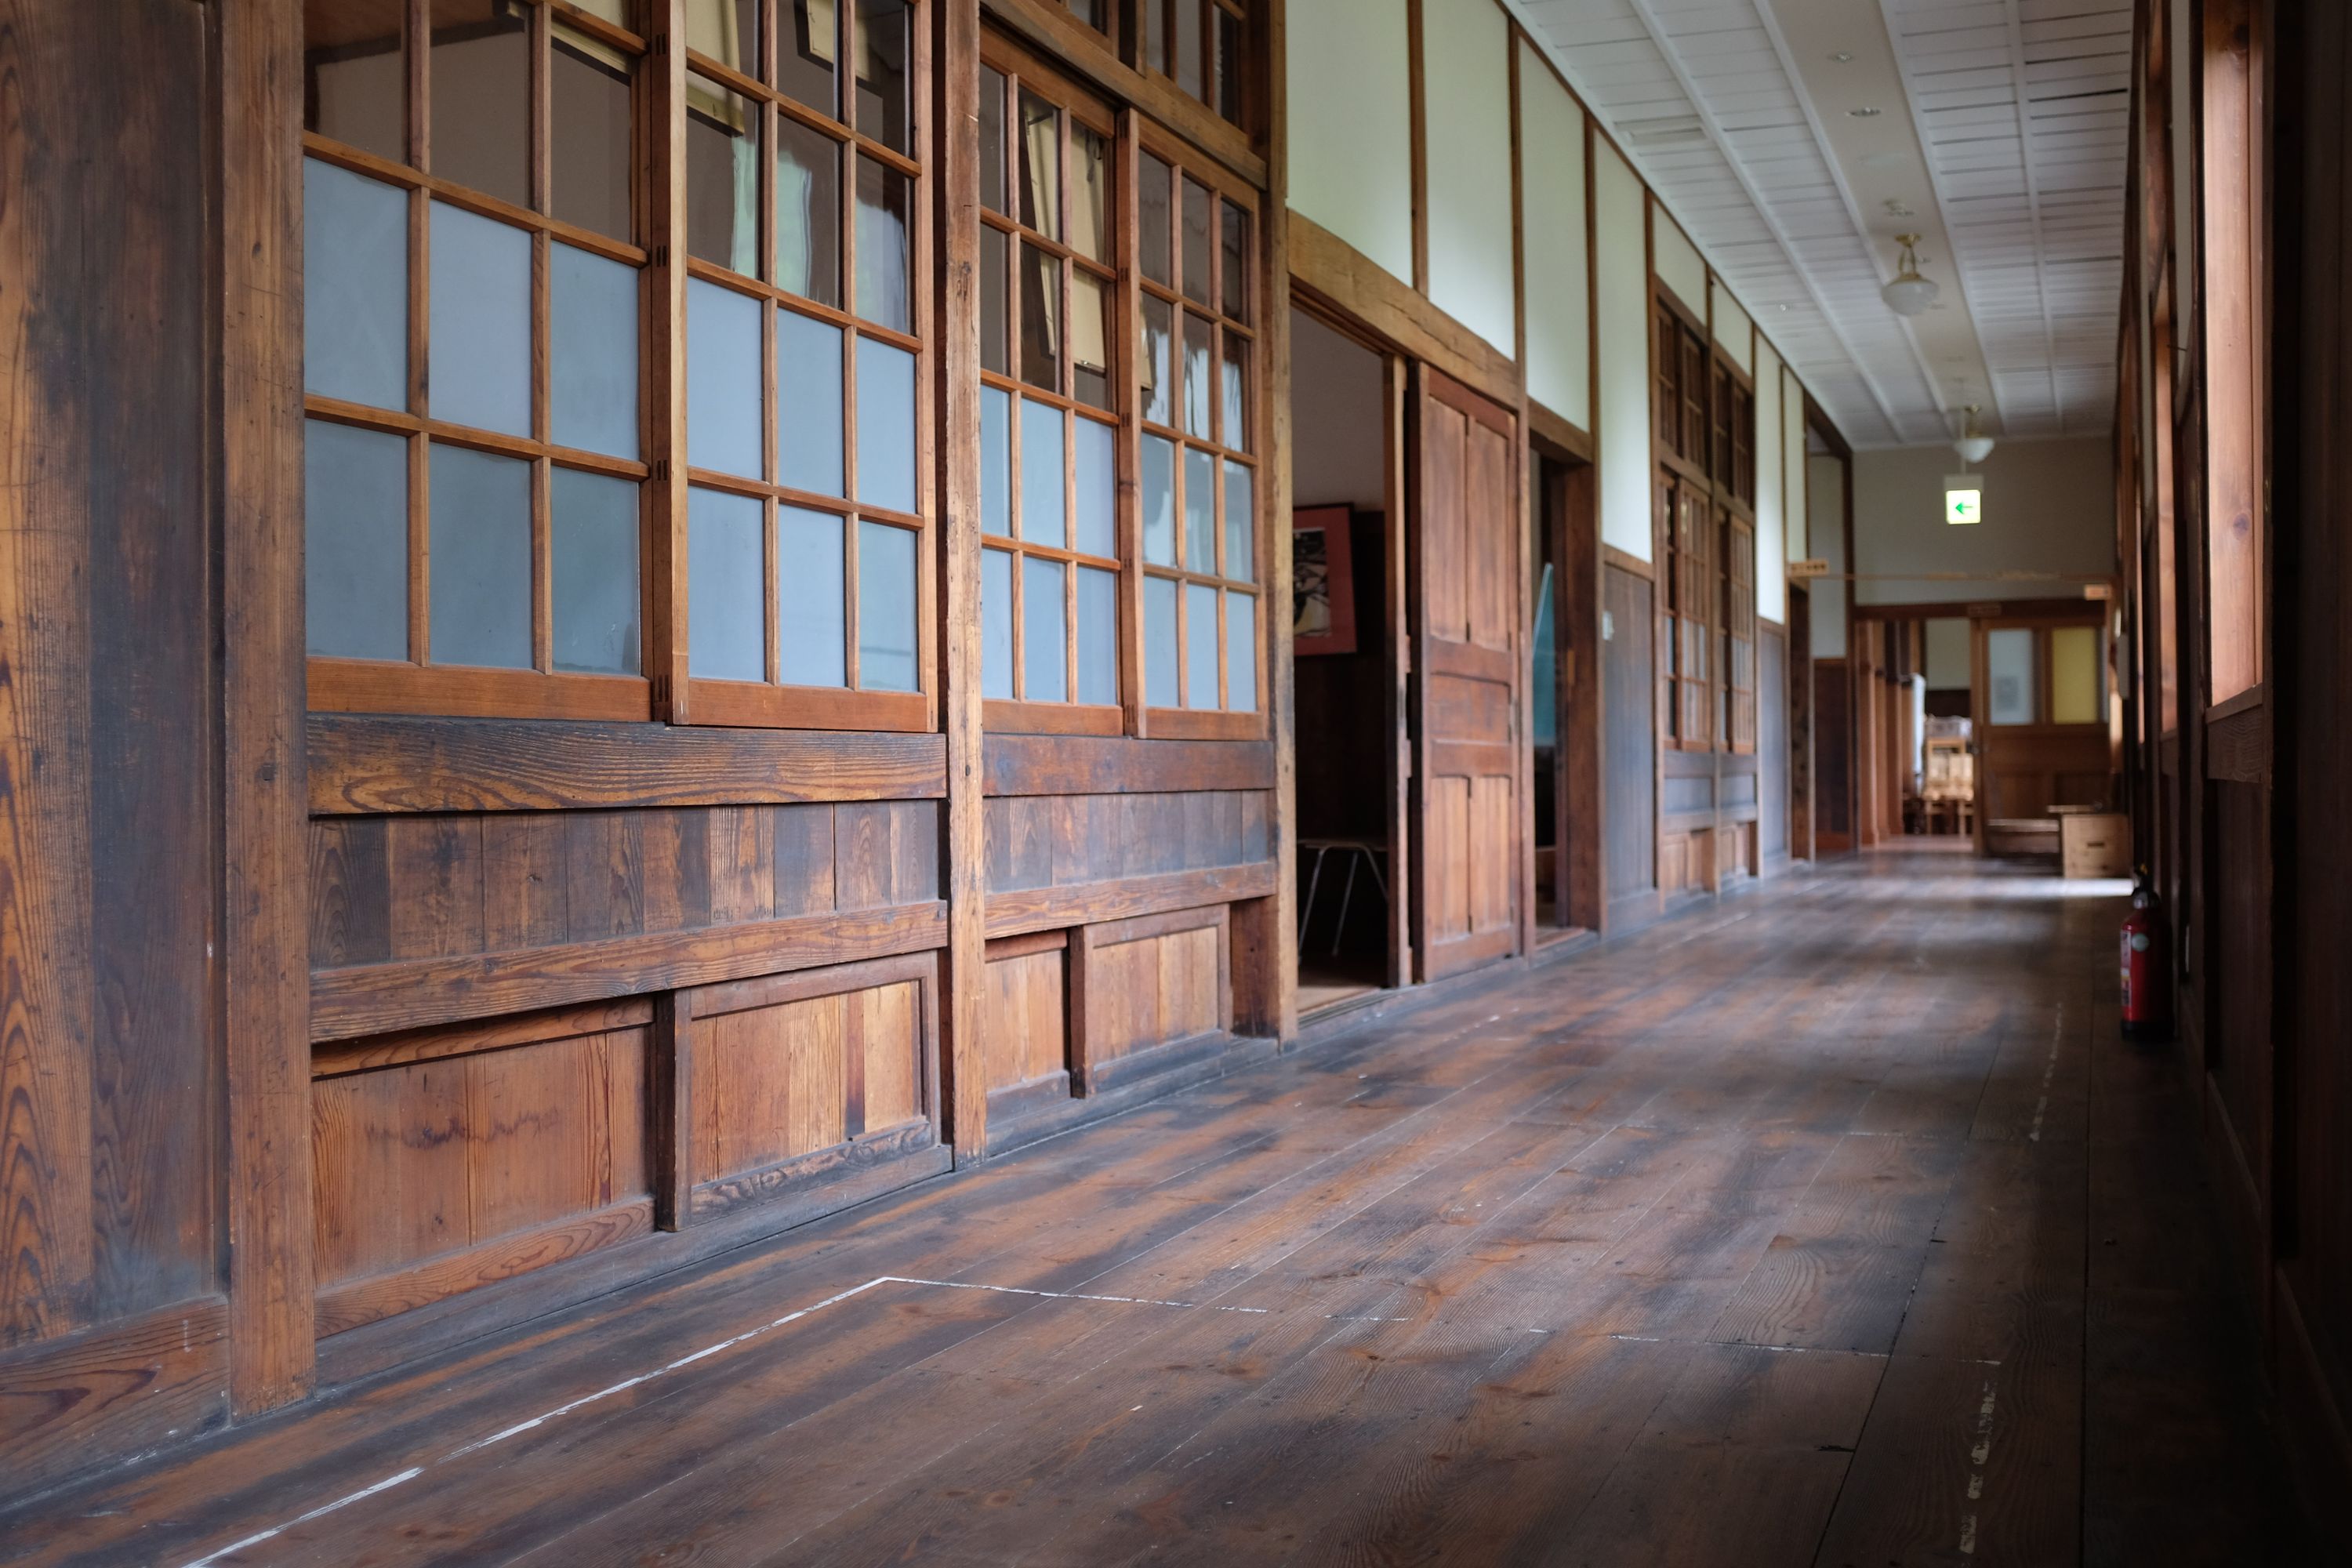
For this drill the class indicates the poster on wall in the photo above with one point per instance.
(1322, 582)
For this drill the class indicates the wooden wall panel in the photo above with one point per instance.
(111, 1160)
(1026, 1023)
(1832, 754)
(1148, 983)
(1628, 707)
(1046, 841)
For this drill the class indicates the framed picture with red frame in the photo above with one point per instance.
(1322, 582)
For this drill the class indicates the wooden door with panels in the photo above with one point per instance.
(2042, 734)
(1469, 734)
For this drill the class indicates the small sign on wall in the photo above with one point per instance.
(1812, 567)
(1964, 499)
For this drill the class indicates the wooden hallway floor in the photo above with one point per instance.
(1828, 1225)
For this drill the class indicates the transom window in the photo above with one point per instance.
(1197, 388)
(1201, 45)
(476, 447)
(806, 403)
(1050, 405)
(1686, 529)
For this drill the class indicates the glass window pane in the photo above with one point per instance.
(593, 572)
(357, 75)
(1229, 65)
(1241, 652)
(1234, 394)
(722, 177)
(1236, 263)
(1154, 233)
(1043, 512)
(1041, 166)
(1199, 645)
(1044, 633)
(992, 139)
(883, 226)
(886, 607)
(479, 363)
(995, 623)
(480, 89)
(726, 587)
(1155, 35)
(1097, 635)
(1199, 382)
(882, 33)
(588, 132)
(811, 599)
(480, 565)
(1089, 193)
(1188, 45)
(355, 540)
(1159, 501)
(726, 30)
(808, 404)
(1199, 511)
(1040, 318)
(1197, 202)
(1097, 471)
(886, 426)
(993, 354)
(1240, 527)
(808, 212)
(1089, 339)
(1159, 385)
(2010, 676)
(355, 287)
(995, 461)
(722, 379)
(1160, 642)
(592, 351)
(804, 54)
(2075, 675)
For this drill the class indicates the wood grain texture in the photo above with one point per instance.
(1043, 908)
(1497, 1257)
(375, 766)
(1038, 764)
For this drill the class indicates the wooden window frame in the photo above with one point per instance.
(1074, 106)
(414, 684)
(769, 703)
(1737, 533)
(1161, 61)
(1187, 162)
(2232, 229)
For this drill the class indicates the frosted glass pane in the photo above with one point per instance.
(1241, 652)
(2075, 675)
(1199, 645)
(1160, 642)
(726, 586)
(355, 538)
(1158, 373)
(1097, 635)
(808, 212)
(480, 361)
(480, 566)
(1044, 633)
(355, 287)
(886, 426)
(1240, 524)
(995, 461)
(722, 379)
(1098, 486)
(995, 623)
(1159, 501)
(593, 321)
(811, 599)
(886, 608)
(808, 405)
(1199, 511)
(594, 574)
(2009, 676)
(1044, 518)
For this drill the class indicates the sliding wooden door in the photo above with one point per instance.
(1467, 677)
(2041, 735)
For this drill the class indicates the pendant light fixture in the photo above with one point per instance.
(1907, 294)
(1972, 446)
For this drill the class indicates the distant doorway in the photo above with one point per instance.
(1562, 699)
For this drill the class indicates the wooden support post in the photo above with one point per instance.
(1277, 948)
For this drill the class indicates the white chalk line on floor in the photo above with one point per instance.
(543, 1418)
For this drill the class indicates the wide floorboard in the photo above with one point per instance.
(1829, 1224)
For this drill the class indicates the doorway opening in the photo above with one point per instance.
(1345, 399)
(1563, 700)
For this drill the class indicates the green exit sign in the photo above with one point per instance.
(1964, 499)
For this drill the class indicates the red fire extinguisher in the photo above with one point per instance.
(2146, 966)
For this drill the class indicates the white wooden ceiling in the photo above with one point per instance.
(1999, 137)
